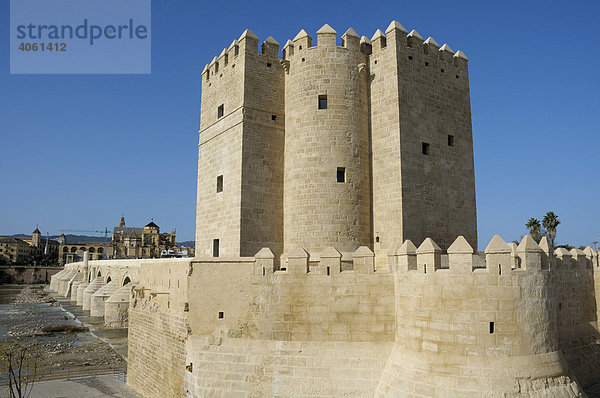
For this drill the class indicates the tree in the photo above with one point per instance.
(550, 222)
(18, 364)
(535, 228)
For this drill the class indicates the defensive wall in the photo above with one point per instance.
(521, 321)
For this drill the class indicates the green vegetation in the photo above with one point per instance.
(546, 228)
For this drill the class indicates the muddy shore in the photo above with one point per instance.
(64, 341)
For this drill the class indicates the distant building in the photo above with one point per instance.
(28, 250)
(146, 242)
(72, 252)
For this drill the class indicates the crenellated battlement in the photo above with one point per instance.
(395, 34)
(499, 258)
(245, 45)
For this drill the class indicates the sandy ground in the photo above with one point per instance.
(85, 387)
(32, 311)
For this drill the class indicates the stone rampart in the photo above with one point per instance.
(522, 320)
(156, 352)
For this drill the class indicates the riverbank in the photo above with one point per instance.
(64, 341)
(27, 274)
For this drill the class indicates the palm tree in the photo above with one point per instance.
(534, 226)
(550, 222)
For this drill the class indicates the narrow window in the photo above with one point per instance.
(457, 76)
(560, 306)
(273, 117)
(300, 48)
(377, 239)
(410, 57)
(491, 327)
(215, 247)
(220, 111)
(322, 101)
(190, 367)
(426, 63)
(220, 184)
(207, 75)
(216, 67)
(268, 64)
(450, 140)
(221, 314)
(328, 271)
(499, 269)
(442, 70)
(425, 268)
(425, 148)
(341, 174)
(303, 60)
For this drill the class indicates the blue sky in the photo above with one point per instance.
(79, 150)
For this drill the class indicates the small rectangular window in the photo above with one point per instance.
(450, 140)
(221, 315)
(425, 148)
(268, 64)
(341, 174)
(220, 184)
(273, 117)
(491, 327)
(220, 111)
(322, 101)
(215, 247)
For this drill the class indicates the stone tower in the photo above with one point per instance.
(421, 141)
(367, 143)
(240, 155)
(36, 237)
(326, 175)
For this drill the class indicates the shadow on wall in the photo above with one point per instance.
(27, 275)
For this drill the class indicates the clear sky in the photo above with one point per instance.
(79, 150)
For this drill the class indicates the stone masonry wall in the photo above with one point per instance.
(156, 357)
(384, 109)
(220, 154)
(438, 189)
(263, 147)
(158, 328)
(254, 326)
(319, 211)
(576, 311)
(235, 299)
(267, 368)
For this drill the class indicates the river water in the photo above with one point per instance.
(9, 292)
